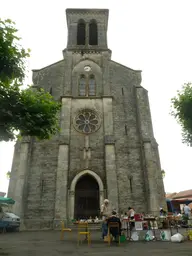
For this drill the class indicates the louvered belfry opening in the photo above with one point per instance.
(93, 33)
(81, 33)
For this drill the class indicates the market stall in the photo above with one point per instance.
(150, 227)
(6, 200)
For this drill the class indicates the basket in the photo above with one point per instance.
(190, 235)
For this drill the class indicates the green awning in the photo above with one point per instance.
(6, 200)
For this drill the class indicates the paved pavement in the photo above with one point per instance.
(48, 243)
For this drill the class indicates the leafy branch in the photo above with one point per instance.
(30, 112)
(182, 111)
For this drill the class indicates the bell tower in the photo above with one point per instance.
(87, 29)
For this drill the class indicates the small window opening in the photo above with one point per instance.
(51, 91)
(122, 91)
(131, 185)
(81, 33)
(82, 86)
(92, 85)
(125, 129)
(93, 33)
(42, 185)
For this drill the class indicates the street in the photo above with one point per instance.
(48, 243)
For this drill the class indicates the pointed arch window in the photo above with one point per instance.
(93, 33)
(82, 86)
(87, 85)
(92, 86)
(81, 33)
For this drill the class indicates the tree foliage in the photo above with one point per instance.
(31, 112)
(8, 174)
(163, 174)
(182, 111)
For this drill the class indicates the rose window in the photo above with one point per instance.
(87, 121)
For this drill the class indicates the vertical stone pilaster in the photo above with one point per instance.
(105, 69)
(144, 113)
(161, 188)
(67, 70)
(65, 117)
(152, 165)
(72, 35)
(72, 204)
(153, 197)
(14, 171)
(102, 35)
(110, 156)
(61, 197)
(110, 163)
(61, 183)
(108, 116)
(19, 205)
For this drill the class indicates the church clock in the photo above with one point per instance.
(87, 68)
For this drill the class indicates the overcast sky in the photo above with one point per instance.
(152, 35)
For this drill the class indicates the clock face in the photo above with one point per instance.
(87, 68)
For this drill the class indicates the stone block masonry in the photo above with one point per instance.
(105, 132)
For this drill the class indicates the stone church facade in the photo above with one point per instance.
(106, 146)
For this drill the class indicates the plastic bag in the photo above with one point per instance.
(106, 238)
(135, 236)
(177, 238)
(149, 236)
(165, 235)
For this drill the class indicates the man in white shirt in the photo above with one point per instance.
(187, 210)
(106, 212)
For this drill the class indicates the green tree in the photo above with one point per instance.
(8, 174)
(163, 174)
(182, 111)
(31, 112)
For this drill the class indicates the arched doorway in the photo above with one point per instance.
(86, 197)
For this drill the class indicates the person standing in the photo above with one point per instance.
(131, 215)
(162, 212)
(187, 210)
(106, 212)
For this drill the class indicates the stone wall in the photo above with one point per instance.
(124, 154)
(77, 141)
(127, 139)
(51, 78)
(119, 86)
(152, 170)
(14, 171)
(41, 184)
